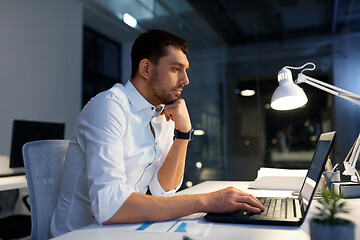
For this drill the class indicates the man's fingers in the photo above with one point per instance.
(245, 201)
(166, 115)
(251, 203)
(249, 208)
(241, 196)
(177, 112)
(257, 201)
(231, 199)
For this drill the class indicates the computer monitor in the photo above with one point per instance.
(27, 131)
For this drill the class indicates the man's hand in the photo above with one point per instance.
(232, 199)
(177, 111)
(145, 208)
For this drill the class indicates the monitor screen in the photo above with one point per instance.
(27, 131)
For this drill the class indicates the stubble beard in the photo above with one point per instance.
(165, 96)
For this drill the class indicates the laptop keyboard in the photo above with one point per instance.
(274, 208)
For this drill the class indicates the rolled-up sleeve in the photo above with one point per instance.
(102, 130)
(157, 190)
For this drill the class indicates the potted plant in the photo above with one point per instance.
(327, 224)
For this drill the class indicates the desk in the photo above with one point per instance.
(14, 182)
(219, 230)
(11, 182)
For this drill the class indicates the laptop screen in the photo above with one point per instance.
(317, 165)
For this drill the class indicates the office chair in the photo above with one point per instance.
(13, 226)
(44, 162)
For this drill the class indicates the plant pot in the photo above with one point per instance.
(320, 231)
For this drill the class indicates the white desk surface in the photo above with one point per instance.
(219, 230)
(14, 182)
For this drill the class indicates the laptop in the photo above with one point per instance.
(285, 211)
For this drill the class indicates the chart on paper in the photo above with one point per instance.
(193, 226)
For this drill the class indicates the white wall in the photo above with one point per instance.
(41, 59)
(40, 63)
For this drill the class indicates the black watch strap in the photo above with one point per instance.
(182, 135)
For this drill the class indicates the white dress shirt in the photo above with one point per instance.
(113, 153)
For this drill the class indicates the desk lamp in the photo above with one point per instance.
(288, 95)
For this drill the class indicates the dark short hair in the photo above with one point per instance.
(152, 45)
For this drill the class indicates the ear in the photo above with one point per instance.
(145, 68)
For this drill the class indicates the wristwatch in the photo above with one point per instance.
(182, 135)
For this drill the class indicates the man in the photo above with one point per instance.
(123, 146)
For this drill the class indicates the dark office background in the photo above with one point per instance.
(56, 55)
(62, 53)
(239, 45)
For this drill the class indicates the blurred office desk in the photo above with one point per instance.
(10, 182)
(218, 231)
(13, 182)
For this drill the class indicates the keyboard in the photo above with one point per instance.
(275, 208)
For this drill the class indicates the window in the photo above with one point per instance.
(101, 64)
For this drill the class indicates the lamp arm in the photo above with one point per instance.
(341, 93)
(351, 160)
(348, 156)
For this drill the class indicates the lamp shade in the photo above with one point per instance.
(287, 95)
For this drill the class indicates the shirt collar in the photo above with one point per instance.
(140, 103)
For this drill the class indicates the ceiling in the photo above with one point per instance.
(214, 23)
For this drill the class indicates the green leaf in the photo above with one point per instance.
(331, 204)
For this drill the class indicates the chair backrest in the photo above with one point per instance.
(44, 162)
